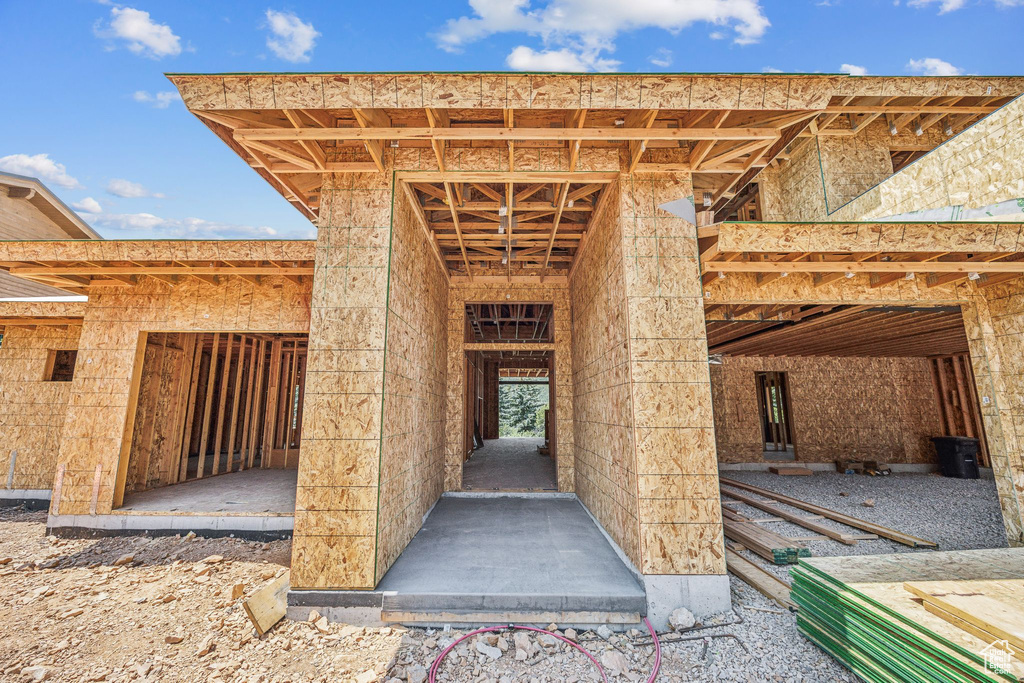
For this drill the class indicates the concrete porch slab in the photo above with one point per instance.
(496, 554)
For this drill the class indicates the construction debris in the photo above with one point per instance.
(267, 606)
(791, 471)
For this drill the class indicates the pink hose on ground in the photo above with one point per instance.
(512, 627)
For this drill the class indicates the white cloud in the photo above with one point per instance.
(87, 205)
(716, 35)
(931, 66)
(158, 100)
(770, 70)
(662, 57)
(120, 187)
(293, 40)
(523, 58)
(585, 28)
(142, 35)
(39, 166)
(853, 70)
(150, 225)
(953, 5)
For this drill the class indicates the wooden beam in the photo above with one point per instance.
(603, 134)
(865, 267)
(368, 119)
(458, 230)
(421, 218)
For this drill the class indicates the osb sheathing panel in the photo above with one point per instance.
(830, 170)
(677, 476)
(840, 408)
(114, 319)
(459, 294)
(868, 237)
(606, 478)
(798, 288)
(154, 439)
(995, 334)
(496, 159)
(334, 542)
(42, 309)
(982, 165)
(32, 410)
(512, 91)
(413, 439)
(157, 250)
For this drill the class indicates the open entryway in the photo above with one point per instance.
(509, 401)
(216, 424)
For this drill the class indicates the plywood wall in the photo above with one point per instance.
(32, 410)
(109, 354)
(994, 324)
(677, 476)
(605, 453)
(415, 367)
(982, 165)
(829, 171)
(880, 409)
(335, 537)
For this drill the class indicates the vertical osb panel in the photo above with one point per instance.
(31, 410)
(995, 333)
(335, 537)
(412, 461)
(677, 476)
(94, 427)
(604, 450)
(558, 294)
(842, 408)
(982, 165)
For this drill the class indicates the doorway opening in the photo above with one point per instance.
(773, 406)
(509, 403)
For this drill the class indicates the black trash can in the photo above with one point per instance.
(958, 456)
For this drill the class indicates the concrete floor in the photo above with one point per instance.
(250, 491)
(537, 552)
(510, 464)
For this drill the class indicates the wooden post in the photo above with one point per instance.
(249, 383)
(255, 444)
(240, 362)
(129, 423)
(145, 442)
(947, 411)
(273, 389)
(962, 394)
(190, 405)
(205, 433)
(289, 411)
(222, 402)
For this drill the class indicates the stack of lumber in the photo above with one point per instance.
(848, 520)
(764, 542)
(868, 612)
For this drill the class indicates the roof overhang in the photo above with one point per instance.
(720, 129)
(34, 192)
(81, 266)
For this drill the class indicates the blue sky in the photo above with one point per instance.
(86, 108)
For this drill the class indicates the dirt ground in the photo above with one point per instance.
(169, 608)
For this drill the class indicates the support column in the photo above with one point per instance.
(995, 332)
(681, 544)
(335, 538)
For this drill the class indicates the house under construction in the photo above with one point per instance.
(704, 269)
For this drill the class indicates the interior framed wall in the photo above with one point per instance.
(211, 403)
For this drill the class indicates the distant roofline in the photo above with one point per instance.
(73, 220)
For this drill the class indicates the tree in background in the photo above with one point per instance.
(521, 409)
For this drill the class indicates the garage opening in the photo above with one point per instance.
(509, 401)
(820, 384)
(207, 405)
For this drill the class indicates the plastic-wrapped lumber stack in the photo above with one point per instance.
(858, 610)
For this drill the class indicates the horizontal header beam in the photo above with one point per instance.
(498, 133)
(864, 267)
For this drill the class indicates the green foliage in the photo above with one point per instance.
(521, 409)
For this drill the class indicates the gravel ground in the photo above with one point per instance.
(958, 514)
(71, 613)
